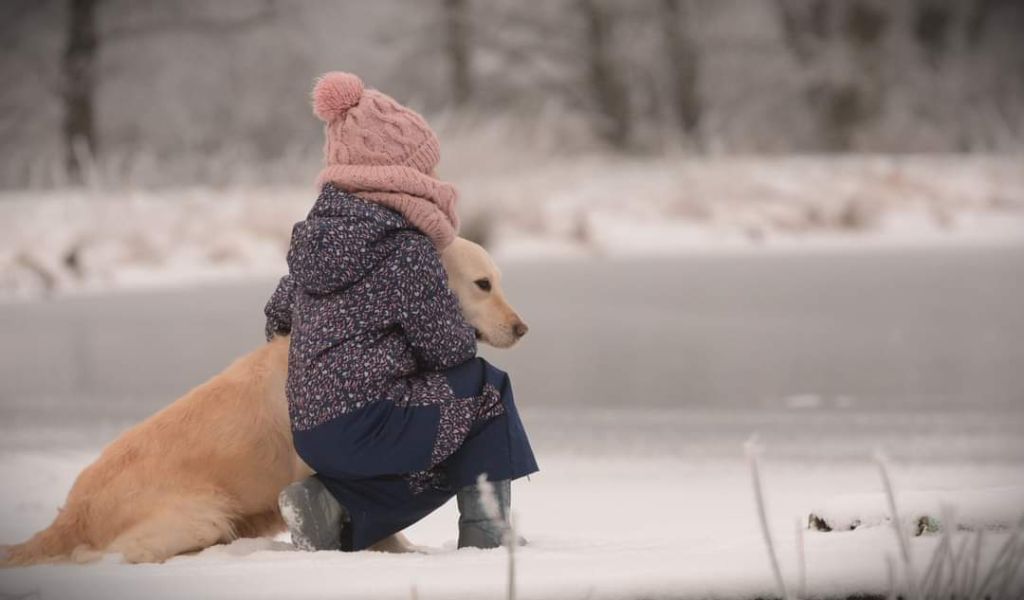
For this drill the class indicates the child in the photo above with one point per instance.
(388, 403)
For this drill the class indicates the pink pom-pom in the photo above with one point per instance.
(335, 93)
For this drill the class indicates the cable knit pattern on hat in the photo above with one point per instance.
(384, 152)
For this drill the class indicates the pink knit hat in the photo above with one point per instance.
(383, 152)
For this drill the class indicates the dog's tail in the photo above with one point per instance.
(58, 542)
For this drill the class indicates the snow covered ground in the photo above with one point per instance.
(625, 527)
(71, 241)
(638, 407)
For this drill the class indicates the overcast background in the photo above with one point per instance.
(800, 218)
(181, 92)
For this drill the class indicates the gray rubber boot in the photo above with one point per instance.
(476, 528)
(313, 516)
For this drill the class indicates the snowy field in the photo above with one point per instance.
(639, 383)
(630, 527)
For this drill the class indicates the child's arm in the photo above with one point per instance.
(429, 311)
(279, 309)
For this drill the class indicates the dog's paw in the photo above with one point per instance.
(83, 554)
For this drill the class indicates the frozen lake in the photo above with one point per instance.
(918, 350)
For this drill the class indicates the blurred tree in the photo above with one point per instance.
(120, 77)
(458, 48)
(932, 25)
(676, 17)
(838, 46)
(78, 88)
(607, 88)
(84, 41)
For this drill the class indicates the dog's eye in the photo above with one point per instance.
(484, 284)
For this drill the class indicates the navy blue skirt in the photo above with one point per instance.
(372, 479)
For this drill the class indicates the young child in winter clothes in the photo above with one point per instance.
(388, 402)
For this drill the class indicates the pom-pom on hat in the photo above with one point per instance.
(384, 152)
(334, 94)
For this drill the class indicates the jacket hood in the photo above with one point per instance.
(341, 241)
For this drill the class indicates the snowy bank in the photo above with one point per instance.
(92, 240)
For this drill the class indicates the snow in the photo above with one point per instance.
(90, 240)
(627, 527)
(762, 204)
(82, 241)
(995, 508)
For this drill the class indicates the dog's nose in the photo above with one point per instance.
(520, 329)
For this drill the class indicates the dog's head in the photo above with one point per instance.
(475, 279)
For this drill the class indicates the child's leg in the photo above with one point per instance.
(483, 520)
(314, 517)
(497, 446)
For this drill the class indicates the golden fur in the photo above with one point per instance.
(208, 468)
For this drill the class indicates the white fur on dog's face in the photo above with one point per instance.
(475, 279)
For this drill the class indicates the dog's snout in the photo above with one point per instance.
(520, 329)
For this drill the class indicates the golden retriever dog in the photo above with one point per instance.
(208, 468)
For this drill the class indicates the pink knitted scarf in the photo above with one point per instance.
(426, 202)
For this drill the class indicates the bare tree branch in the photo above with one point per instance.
(683, 74)
(79, 85)
(608, 90)
(457, 48)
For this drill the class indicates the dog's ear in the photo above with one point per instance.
(334, 94)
